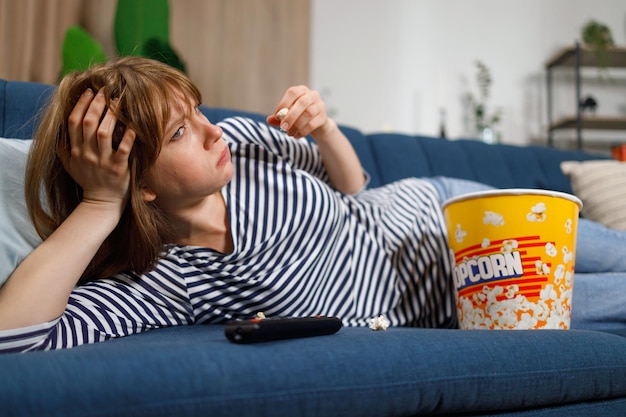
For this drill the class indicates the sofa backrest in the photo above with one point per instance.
(502, 166)
(386, 157)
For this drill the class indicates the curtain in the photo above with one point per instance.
(31, 35)
(241, 53)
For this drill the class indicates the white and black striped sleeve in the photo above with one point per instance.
(106, 309)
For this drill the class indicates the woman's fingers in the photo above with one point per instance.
(104, 132)
(125, 146)
(91, 124)
(76, 117)
(92, 161)
(307, 112)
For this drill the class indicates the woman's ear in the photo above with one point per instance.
(148, 195)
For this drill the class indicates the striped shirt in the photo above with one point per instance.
(301, 248)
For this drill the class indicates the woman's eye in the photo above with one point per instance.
(179, 132)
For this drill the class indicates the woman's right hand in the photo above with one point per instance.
(102, 172)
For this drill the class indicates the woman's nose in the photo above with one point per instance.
(213, 133)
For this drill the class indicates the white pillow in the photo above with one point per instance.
(17, 233)
(601, 185)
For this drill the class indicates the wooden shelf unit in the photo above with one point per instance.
(590, 122)
(566, 57)
(576, 57)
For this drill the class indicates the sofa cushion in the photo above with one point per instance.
(17, 233)
(194, 370)
(601, 185)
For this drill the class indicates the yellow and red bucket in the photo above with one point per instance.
(514, 254)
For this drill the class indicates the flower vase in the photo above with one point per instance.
(489, 135)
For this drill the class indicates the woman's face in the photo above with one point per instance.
(194, 161)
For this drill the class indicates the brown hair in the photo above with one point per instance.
(145, 89)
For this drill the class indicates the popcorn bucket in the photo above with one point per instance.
(514, 253)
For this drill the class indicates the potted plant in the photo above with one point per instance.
(484, 121)
(598, 37)
(141, 27)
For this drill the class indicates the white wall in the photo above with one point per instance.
(392, 65)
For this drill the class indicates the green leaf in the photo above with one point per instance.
(136, 21)
(80, 50)
(160, 50)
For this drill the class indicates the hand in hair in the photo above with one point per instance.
(100, 170)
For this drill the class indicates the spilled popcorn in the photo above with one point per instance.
(260, 315)
(379, 323)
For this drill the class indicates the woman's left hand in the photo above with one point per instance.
(307, 114)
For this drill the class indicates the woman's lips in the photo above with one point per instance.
(224, 157)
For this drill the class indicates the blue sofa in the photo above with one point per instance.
(195, 371)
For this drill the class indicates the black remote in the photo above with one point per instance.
(280, 328)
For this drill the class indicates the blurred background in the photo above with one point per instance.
(395, 65)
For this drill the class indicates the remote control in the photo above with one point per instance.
(280, 328)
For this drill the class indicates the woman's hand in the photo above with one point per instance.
(307, 116)
(101, 171)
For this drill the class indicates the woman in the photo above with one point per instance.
(163, 218)
(166, 219)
